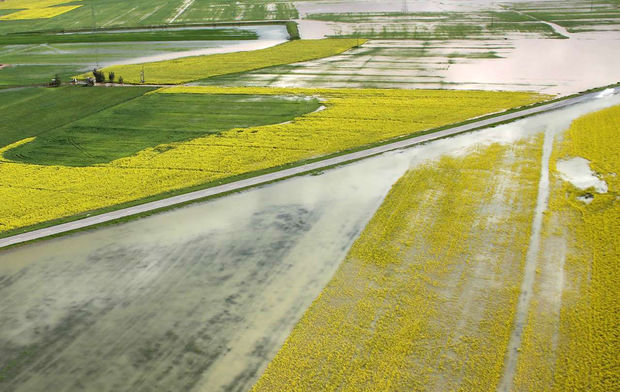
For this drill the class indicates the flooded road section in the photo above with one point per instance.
(199, 298)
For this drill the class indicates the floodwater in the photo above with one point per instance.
(577, 171)
(104, 54)
(524, 63)
(200, 298)
(268, 36)
(564, 66)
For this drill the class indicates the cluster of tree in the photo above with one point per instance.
(100, 77)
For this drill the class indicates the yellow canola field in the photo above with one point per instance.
(39, 13)
(425, 299)
(571, 342)
(188, 69)
(35, 9)
(32, 194)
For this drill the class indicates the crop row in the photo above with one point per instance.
(425, 299)
(571, 340)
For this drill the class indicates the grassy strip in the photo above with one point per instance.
(293, 30)
(188, 69)
(160, 27)
(141, 36)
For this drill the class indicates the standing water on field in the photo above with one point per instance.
(201, 297)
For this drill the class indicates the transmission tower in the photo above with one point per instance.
(405, 9)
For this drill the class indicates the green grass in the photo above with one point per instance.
(28, 112)
(38, 63)
(151, 120)
(293, 30)
(154, 35)
(26, 75)
(223, 10)
(575, 16)
(530, 27)
(134, 13)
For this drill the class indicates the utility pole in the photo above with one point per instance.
(92, 12)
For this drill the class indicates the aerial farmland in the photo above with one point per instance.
(312, 195)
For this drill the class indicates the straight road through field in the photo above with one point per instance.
(282, 174)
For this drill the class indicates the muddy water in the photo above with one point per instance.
(198, 298)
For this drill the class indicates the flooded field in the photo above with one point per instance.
(200, 298)
(36, 63)
(548, 66)
(520, 46)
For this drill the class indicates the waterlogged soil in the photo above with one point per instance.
(200, 298)
(553, 66)
(506, 60)
(195, 299)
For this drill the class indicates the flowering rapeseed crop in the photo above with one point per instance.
(188, 69)
(425, 298)
(571, 340)
(35, 193)
(35, 9)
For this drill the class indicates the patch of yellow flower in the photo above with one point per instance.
(188, 69)
(35, 9)
(32, 194)
(571, 340)
(425, 299)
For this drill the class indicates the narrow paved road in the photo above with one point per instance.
(282, 174)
